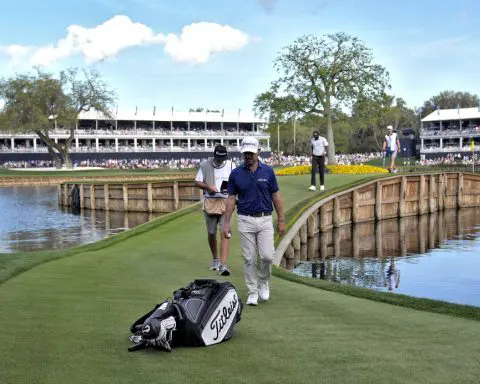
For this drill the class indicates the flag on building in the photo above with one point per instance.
(154, 109)
(472, 145)
(223, 111)
(172, 111)
(116, 113)
(136, 110)
(458, 108)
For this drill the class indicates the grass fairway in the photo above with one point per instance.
(67, 321)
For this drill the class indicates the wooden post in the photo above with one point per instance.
(460, 191)
(355, 241)
(431, 190)
(323, 245)
(106, 197)
(379, 239)
(421, 196)
(176, 203)
(402, 197)
(441, 191)
(303, 233)
(312, 225)
(82, 196)
(150, 197)
(401, 237)
(336, 212)
(355, 207)
(125, 197)
(323, 219)
(60, 195)
(378, 201)
(65, 194)
(92, 196)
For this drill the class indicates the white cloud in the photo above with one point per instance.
(196, 44)
(199, 41)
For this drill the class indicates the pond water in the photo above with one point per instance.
(32, 220)
(433, 256)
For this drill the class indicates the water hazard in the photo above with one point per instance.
(434, 256)
(32, 220)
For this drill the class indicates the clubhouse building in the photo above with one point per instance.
(143, 135)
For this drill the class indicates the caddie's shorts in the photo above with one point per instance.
(213, 222)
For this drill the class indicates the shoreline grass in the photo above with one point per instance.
(67, 320)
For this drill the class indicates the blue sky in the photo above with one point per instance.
(427, 46)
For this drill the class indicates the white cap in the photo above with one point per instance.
(390, 127)
(249, 144)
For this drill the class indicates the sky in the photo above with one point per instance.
(219, 54)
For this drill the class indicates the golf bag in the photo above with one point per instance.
(203, 313)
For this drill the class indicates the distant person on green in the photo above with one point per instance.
(391, 144)
(319, 150)
(253, 188)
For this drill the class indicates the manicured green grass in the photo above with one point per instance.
(67, 321)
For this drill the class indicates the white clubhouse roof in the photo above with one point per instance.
(453, 114)
(143, 115)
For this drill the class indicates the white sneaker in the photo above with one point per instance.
(322, 188)
(252, 299)
(312, 188)
(215, 265)
(263, 291)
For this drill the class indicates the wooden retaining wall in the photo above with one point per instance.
(162, 197)
(13, 181)
(392, 197)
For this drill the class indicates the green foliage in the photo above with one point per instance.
(318, 75)
(449, 100)
(37, 102)
(371, 117)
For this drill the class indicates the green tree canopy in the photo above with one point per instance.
(318, 75)
(37, 102)
(371, 117)
(449, 100)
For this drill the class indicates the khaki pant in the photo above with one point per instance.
(256, 238)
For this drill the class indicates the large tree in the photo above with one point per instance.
(324, 74)
(39, 102)
(449, 100)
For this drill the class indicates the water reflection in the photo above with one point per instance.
(436, 256)
(32, 220)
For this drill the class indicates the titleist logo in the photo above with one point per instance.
(221, 317)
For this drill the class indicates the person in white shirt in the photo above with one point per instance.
(319, 150)
(212, 178)
(391, 145)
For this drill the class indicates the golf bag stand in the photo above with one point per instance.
(203, 313)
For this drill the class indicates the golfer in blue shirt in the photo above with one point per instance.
(255, 186)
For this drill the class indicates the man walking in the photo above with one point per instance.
(319, 149)
(212, 177)
(390, 147)
(253, 188)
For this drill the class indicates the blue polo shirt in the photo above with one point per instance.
(253, 189)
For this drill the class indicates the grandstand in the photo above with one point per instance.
(139, 134)
(450, 131)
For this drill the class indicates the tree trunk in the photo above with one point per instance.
(331, 142)
(67, 160)
(55, 157)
